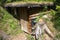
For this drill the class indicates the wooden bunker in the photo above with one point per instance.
(26, 12)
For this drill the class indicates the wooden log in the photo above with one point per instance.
(33, 15)
(26, 4)
(44, 27)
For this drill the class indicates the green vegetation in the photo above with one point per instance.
(8, 23)
(29, 37)
(56, 21)
(57, 2)
(7, 1)
(57, 36)
(56, 18)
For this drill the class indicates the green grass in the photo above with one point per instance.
(8, 1)
(37, 0)
(30, 37)
(57, 37)
(8, 23)
(56, 19)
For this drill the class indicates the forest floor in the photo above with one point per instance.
(21, 36)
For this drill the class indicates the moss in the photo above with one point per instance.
(57, 37)
(30, 37)
(8, 23)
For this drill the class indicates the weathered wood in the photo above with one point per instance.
(34, 15)
(37, 14)
(28, 4)
(41, 27)
(23, 19)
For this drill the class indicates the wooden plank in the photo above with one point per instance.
(23, 19)
(37, 14)
(33, 15)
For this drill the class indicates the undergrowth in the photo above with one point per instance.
(8, 23)
(29, 37)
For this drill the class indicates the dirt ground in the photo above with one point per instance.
(21, 36)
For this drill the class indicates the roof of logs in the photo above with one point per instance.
(28, 4)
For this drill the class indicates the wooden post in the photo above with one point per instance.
(23, 19)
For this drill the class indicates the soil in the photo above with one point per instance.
(21, 36)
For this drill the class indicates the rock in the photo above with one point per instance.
(3, 35)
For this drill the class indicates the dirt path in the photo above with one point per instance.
(21, 36)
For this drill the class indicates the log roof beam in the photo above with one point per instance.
(28, 4)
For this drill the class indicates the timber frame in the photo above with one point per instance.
(27, 11)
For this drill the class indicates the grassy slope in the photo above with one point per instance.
(8, 23)
(56, 21)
